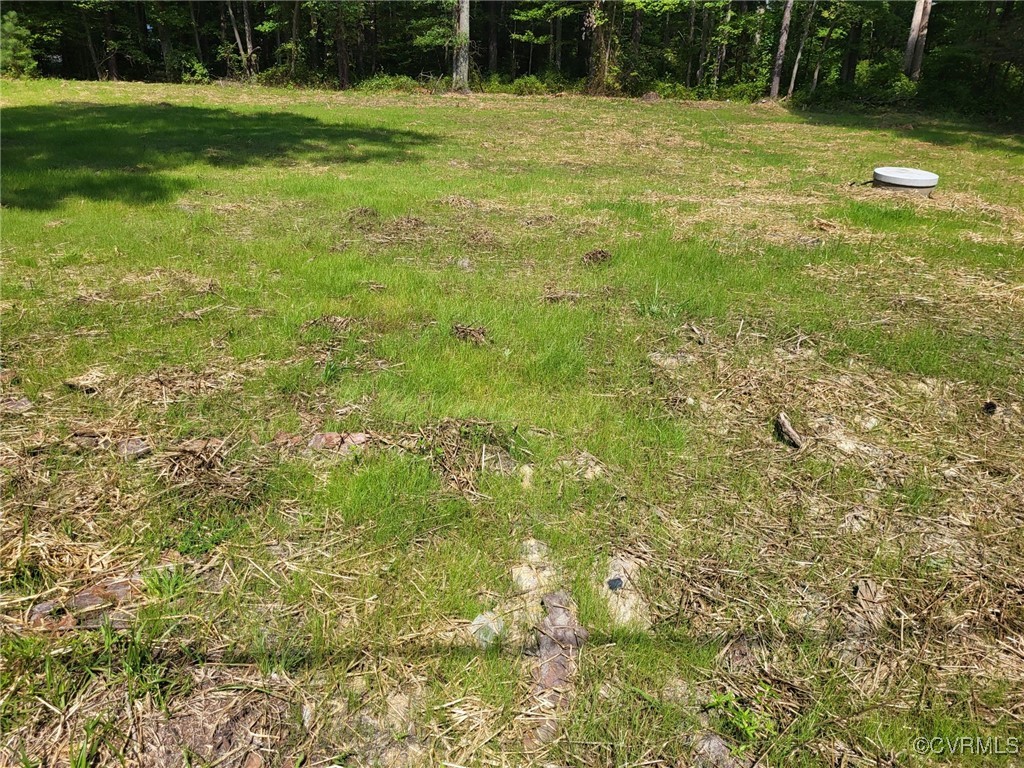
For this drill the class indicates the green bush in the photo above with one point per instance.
(495, 83)
(302, 76)
(751, 91)
(388, 83)
(16, 59)
(669, 90)
(278, 75)
(529, 85)
(189, 69)
(556, 82)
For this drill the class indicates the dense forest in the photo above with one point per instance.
(948, 55)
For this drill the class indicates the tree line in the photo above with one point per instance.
(959, 55)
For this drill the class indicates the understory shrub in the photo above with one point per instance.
(189, 69)
(669, 90)
(528, 85)
(386, 83)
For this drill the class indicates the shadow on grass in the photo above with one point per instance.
(943, 132)
(125, 152)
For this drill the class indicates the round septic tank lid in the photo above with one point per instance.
(906, 177)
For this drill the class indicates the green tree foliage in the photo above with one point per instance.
(16, 59)
(848, 50)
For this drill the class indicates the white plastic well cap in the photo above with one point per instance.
(906, 177)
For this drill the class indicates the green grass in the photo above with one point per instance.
(171, 231)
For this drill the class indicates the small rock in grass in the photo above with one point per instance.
(559, 639)
(465, 265)
(326, 441)
(712, 751)
(868, 423)
(526, 473)
(133, 448)
(487, 628)
(15, 405)
(286, 440)
(583, 464)
(341, 442)
(534, 572)
(86, 439)
(626, 604)
(202, 445)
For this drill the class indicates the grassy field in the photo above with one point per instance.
(298, 384)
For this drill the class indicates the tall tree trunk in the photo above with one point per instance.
(689, 42)
(723, 48)
(141, 29)
(848, 70)
(373, 39)
(800, 47)
(165, 48)
(238, 41)
(558, 44)
(821, 55)
(780, 51)
(341, 48)
(915, 33)
(293, 51)
(915, 67)
(705, 33)
(92, 48)
(252, 64)
(195, 31)
(637, 31)
(108, 40)
(597, 24)
(492, 37)
(314, 41)
(515, 62)
(460, 65)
